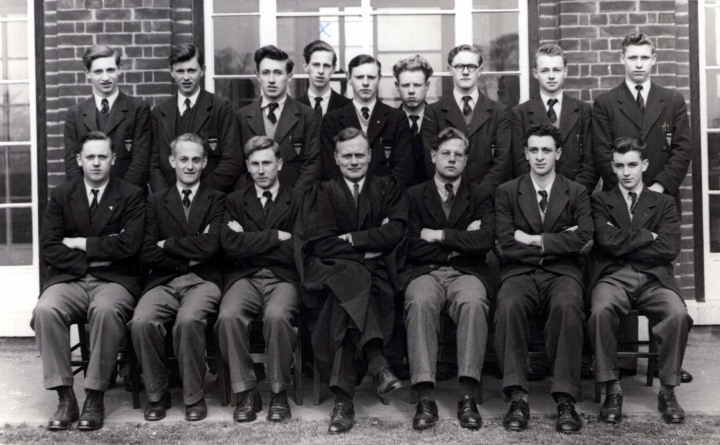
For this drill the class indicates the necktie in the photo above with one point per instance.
(414, 127)
(94, 203)
(448, 202)
(271, 112)
(105, 106)
(543, 200)
(633, 201)
(467, 110)
(365, 113)
(187, 107)
(551, 111)
(640, 100)
(318, 106)
(186, 198)
(268, 201)
(356, 194)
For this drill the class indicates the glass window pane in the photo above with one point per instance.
(18, 160)
(16, 237)
(396, 4)
(296, 32)
(496, 35)
(712, 98)
(13, 56)
(14, 112)
(714, 223)
(236, 39)
(505, 89)
(239, 92)
(314, 5)
(495, 4)
(712, 36)
(228, 6)
(13, 8)
(713, 161)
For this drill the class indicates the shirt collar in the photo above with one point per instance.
(111, 100)
(88, 190)
(638, 189)
(545, 99)
(193, 189)
(646, 87)
(265, 101)
(273, 190)
(548, 189)
(181, 100)
(475, 95)
(350, 183)
(441, 185)
(370, 107)
(325, 97)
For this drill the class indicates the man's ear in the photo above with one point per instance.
(645, 164)
(558, 153)
(112, 159)
(280, 163)
(171, 158)
(78, 159)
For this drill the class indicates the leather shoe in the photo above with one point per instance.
(196, 411)
(93, 412)
(156, 410)
(279, 410)
(611, 409)
(386, 382)
(670, 408)
(426, 414)
(342, 418)
(518, 416)
(67, 410)
(468, 414)
(685, 377)
(568, 421)
(249, 403)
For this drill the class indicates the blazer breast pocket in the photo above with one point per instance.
(126, 145)
(387, 148)
(297, 144)
(212, 144)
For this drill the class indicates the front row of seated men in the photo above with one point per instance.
(353, 243)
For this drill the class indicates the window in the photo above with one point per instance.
(387, 29)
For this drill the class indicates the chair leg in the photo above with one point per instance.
(412, 394)
(598, 392)
(222, 375)
(652, 363)
(298, 370)
(479, 393)
(134, 376)
(316, 386)
(84, 346)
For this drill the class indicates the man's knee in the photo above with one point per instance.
(277, 315)
(189, 322)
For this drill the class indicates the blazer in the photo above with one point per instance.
(516, 208)
(664, 127)
(576, 161)
(115, 234)
(258, 245)
(489, 162)
(297, 133)
(418, 153)
(128, 126)
(426, 212)
(185, 239)
(215, 122)
(389, 136)
(336, 101)
(620, 241)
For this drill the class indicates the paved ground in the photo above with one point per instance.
(24, 400)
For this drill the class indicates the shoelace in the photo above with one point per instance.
(565, 408)
(279, 398)
(345, 410)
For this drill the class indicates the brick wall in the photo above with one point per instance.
(591, 33)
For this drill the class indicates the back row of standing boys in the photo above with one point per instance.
(317, 210)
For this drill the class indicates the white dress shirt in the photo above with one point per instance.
(474, 96)
(323, 104)
(111, 100)
(181, 101)
(89, 193)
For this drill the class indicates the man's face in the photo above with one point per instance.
(450, 159)
(273, 78)
(264, 167)
(320, 68)
(103, 75)
(187, 76)
(188, 160)
(413, 88)
(353, 158)
(542, 154)
(463, 79)
(550, 73)
(365, 80)
(95, 159)
(638, 60)
(629, 168)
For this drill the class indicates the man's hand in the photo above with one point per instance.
(657, 187)
(99, 263)
(193, 263)
(453, 254)
(528, 240)
(385, 221)
(431, 236)
(610, 224)
(346, 237)
(161, 243)
(235, 226)
(369, 255)
(571, 229)
(76, 243)
(282, 236)
(655, 235)
(475, 225)
(587, 248)
(207, 229)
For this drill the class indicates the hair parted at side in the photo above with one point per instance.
(362, 59)
(448, 134)
(94, 136)
(545, 130)
(637, 38)
(188, 137)
(551, 49)
(349, 133)
(97, 52)
(318, 45)
(415, 63)
(272, 52)
(460, 48)
(257, 143)
(625, 144)
(184, 52)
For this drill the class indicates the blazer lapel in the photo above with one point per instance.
(109, 202)
(453, 115)
(204, 108)
(377, 121)
(569, 115)
(559, 199)
(278, 208)
(253, 209)
(117, 113)
(619, 209)
(364, 200)
(644, 209)
(537, 112)
(174, 206)
(288, 119)
(433, 204)
(169, 112)
(334, 102)
(529, 204)
(89, 112)
(481, 114)
(198, 209)
(348, 117)
(628, 105)
(80, 208)
(255, 118)
(653, 109)
(462, 199)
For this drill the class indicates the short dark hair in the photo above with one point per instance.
(545, 130)
(415, 63)
(257, 143)
(448, 134)
(188, 137)
(93, 136)
(185, 52)
(97, 52)
(637, 38)
(625, 144)
(550, 49)
(272, 52)
(349, 133)
(460, 48)
(362, 59)
(318, 45)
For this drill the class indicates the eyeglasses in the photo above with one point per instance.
(460, 67)
(450, 155)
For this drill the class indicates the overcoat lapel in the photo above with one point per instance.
(198, 210)
(109, 203)
(559, 199)
(528, 204)
(174, 206)
(619, 209)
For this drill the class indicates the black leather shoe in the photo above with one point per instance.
(156, 410)
(426, 414)
(468, 414)
(568, 421)
(518, 416)
(93, 412)
(279, 410)
(685, 377)
(611, 409)
(342, 418)
(386, 382)
(67, 410)
(196, 411)
(670, 408)
(249, 403)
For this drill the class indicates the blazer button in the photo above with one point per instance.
(432, 266)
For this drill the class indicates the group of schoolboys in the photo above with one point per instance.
(342, 205)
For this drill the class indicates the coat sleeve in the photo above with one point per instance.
(587, 175)
(602, 141)
(613, 240)
(151, 255)
(386, 237)
(55, 253)
(328, 131)
(520, 164)
(666, 247)
(231, 161)
(477, 241)
(502, 167)
(505, 232)
(156, 177)
(201, 246)
(673, 174)
(571, 242)
(402, 153)
(127, 243)
(419, 250)
(428, 132)
(72, 169)
(137, 172)
(311, 168)
(323, 242)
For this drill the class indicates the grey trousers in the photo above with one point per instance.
(466, 301)
(106, 306)
(189, 300)
(278, 302)
(619, 293)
